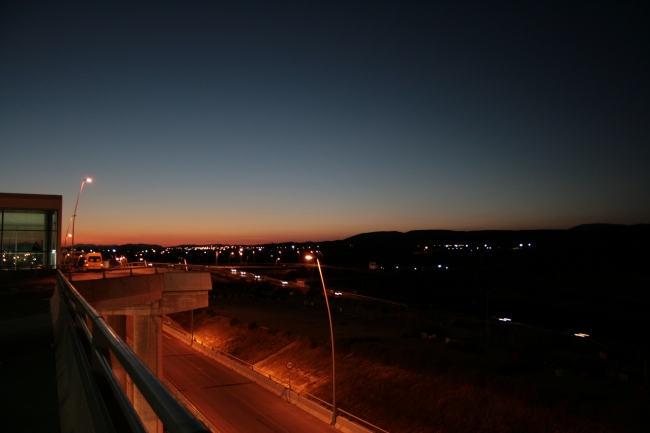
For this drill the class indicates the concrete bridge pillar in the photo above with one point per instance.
(118, 323)
(147, 344)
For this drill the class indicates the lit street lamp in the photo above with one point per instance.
(67, 233)
(329, 314)
(74, 216)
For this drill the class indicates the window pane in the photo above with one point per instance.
(27, 241)
(24, 220)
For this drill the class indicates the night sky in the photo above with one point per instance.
(246, 122)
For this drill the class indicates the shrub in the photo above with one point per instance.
(234, 321)
(252, 325)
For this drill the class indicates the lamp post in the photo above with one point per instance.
(74, 216)
(67, 233)
(329, 314)
(275, 266)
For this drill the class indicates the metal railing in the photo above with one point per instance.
(100, 341)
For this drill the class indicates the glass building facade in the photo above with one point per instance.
(29, 230)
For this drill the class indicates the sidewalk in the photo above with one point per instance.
(28, 391)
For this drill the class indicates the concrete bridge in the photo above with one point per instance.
(102, 385)
(65, 364)
(146, 294)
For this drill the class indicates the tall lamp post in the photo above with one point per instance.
(329, 314)
(74, 216)
(67, 233)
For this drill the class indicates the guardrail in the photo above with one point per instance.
(300, 395)
(96, 340)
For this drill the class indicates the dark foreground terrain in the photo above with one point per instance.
(409, 369)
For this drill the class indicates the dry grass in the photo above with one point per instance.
(410, 385)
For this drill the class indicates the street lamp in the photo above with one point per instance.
(74, 216)
(329, 314)
(67, 233)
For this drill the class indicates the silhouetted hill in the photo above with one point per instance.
(596, 227)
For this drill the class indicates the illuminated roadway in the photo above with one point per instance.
(232, 403)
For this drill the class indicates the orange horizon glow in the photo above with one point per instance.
(243, 238)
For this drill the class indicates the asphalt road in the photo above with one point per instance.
(232, 403)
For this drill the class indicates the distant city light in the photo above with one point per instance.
(581, 335)
(505, 319)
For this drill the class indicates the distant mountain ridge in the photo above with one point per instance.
(434, 237)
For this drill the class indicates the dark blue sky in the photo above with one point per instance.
(260, 121)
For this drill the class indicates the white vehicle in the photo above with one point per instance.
(284, 283)
(93, 262)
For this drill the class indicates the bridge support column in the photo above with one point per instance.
(147, 344)
(118, 323)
